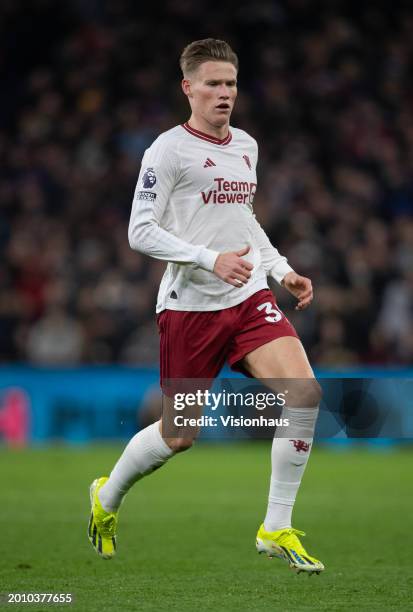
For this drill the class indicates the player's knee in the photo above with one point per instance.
(178, 445)
(313, 394)
(305, 393)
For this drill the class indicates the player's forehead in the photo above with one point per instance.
(216, 71)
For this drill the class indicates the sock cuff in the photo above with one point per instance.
(305, 414)
(302, 421)
(159, 443)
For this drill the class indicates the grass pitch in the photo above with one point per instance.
(187, 533)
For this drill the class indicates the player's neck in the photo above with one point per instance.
(197, 123)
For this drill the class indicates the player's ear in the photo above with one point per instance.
(186, 87)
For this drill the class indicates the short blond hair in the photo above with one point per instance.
(206, 50)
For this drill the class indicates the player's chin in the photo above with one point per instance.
(221, 117)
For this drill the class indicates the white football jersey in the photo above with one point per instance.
(193, 200)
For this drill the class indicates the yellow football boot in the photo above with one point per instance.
(285, 545)
(102, 524)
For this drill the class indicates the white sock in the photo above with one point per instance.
(145, 452)
(289, 456)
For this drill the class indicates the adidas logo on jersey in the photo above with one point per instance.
(209, 163)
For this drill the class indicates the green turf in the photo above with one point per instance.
(186, 535)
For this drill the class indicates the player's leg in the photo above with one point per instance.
(146, 452)
(285, 358)
(267, 347)
(180, 334)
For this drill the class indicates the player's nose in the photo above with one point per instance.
(224, 93)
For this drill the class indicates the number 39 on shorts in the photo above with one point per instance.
(272, 312)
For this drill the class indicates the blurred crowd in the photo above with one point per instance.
(325, 88)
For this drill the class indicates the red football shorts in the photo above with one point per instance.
(197, 344)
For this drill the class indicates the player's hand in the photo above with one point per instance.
(231, 268)
(300, 287)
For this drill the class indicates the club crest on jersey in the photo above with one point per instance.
(149, 178)
(247, 161)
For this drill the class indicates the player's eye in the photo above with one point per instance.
(216, 83)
